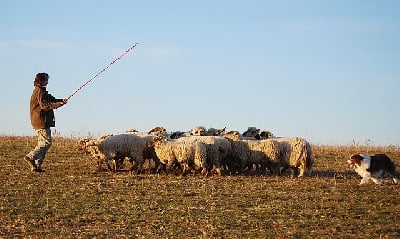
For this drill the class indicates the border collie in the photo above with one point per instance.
(374, 167)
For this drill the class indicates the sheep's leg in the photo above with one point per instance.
(99, 164)
(204, 172)
(217, 169)
(157, 165)
(272, 167)
(162, 167)
(302, 169)
(242, 165)
(107, 159)
(137, 160)
(133, 164)
(264, 168)
(185, 169)
(204, 168)
(119, 163)
(140, 162)
(169, 164)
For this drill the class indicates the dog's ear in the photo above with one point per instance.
(356, 159)
(356, 156)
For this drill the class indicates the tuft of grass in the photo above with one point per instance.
(70, 200)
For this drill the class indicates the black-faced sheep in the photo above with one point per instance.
(251, 132)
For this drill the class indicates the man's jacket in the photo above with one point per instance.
(42, 105)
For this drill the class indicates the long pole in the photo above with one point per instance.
(103, 70)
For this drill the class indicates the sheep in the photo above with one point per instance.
(217, 147)
(156, 131)
(149, 154)
(296, 153)
(202, 131)
(92, 150)
(120, 146)
(177, 134)
(265, 134)
(251, 132)
(189, 155)
(215, 132)
(88, 146)
(282, 153)
(262, 153)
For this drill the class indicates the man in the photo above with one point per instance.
(42, 105)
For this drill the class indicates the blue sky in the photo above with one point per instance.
(327, 71)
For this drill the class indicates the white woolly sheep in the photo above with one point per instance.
(282, 153)
(296, 153)
(149, 156)
(88, 146)
(217, 149)
(120, 146)
(189, 155)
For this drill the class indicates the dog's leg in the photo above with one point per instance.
(377, 181)
(365, 179)
(395, 180)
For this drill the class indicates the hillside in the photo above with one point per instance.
(71, 200)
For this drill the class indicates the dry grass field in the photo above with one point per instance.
(70, 200)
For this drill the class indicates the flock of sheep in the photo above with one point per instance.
(201, 150)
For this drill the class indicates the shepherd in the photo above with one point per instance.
(42, 115)
(42, 118)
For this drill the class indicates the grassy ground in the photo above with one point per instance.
(69, 200)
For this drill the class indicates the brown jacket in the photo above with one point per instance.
(42, 105)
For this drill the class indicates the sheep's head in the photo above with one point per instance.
(251, 132)
(131, 131)
(198, 131)
(233, 135)
(81, 145)
(215, 132)
(177, 135)
(88, 146)
(155, 140)
(265, 134)
(158, 131)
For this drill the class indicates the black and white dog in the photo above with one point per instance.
(374, 167)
